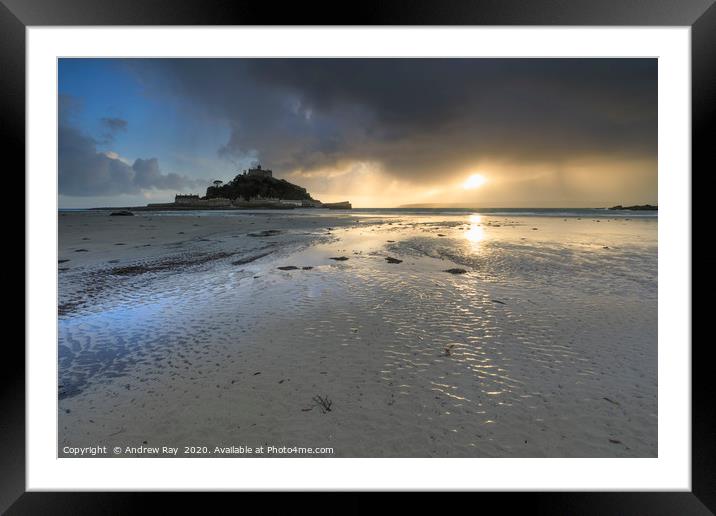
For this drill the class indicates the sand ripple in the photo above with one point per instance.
(539, 350)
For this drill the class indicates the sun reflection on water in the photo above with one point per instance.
(476, 233)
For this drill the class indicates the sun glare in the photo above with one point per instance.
(474, 181)
(475, 232)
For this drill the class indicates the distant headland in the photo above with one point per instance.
(640, 207)
(255, 188)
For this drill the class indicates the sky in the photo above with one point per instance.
(378, 132)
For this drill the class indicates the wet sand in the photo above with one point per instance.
(201, 330)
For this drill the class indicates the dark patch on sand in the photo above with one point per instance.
(249, 259)
(68, 307)
(266, 233)
(167, 265)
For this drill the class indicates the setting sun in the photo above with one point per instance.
(474, 181)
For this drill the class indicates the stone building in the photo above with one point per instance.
(197, 202)
(258, 171)
(186, 199)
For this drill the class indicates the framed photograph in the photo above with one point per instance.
(440, 249)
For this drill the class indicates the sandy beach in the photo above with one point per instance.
(211, 329)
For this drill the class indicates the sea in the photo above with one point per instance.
(514, 212)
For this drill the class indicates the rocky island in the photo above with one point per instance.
(251, 189)
(641, 207)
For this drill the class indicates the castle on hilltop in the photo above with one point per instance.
(258, 171)
(252, 188)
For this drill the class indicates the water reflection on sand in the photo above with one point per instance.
(545, 347)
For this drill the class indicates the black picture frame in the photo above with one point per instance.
(700, 15)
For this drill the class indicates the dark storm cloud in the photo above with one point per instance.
(111, 126)
(114, 124)
(147, 175)
(84, 171)
(68, 107)
(419, 116)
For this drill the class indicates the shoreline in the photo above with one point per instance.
(176, 207)
(171, 208)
